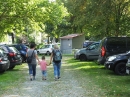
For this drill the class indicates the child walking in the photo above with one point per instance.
(43, 67)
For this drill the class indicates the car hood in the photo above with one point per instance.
(123, 55)
(82, 49)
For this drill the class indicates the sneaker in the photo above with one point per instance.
(56, 79)
(43, 78)
(30, 79)
(59, 77)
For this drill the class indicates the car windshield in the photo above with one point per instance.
(93, 46)
(1, 53)
(6, 49)
(13, 49)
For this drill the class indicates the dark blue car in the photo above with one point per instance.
(87, 43)
(22, 48)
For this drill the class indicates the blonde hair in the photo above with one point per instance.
(56, 46)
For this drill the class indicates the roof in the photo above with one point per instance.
(70, 36)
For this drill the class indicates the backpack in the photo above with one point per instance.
(29, 58)
(57, 55)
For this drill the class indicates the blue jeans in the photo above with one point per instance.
(32, 69)
(44, 73)
(57, 67)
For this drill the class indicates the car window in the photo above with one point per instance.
(93, 46)
(52, 46)
(1, 53)
(47, 46)
(14, 49)
(19, 47)
(116, 44)
(4, 48)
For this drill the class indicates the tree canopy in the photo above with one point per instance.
(94, 18)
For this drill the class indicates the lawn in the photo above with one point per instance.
(12, 78)
(90, 76)
(100, 78)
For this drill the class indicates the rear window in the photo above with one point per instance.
(6, 49)
(14, 49)
(116, 44)
(1, 53)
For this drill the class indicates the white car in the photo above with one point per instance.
(46, 49)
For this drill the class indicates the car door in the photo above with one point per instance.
(93, 51)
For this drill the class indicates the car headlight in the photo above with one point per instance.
(111, 58)
(78, 52)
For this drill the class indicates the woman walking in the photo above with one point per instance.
(32, 65)
(56, 56)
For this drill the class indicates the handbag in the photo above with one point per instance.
(29, 58)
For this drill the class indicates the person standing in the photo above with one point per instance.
(56, 56)
(43, 65)
(32, 65)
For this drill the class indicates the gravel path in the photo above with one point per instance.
(67, 86)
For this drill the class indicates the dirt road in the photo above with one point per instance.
(68, 86)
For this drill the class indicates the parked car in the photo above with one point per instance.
(13, 55)
(128, 66)
(22, 49)
(117, 63)
(111, 46)
(46, 49)
(89, 53)
(87, 43)
(4, 62)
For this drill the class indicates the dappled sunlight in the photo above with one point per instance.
(87, 67)
(27, 88)
(12, 96)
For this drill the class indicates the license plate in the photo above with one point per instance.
(127, 71)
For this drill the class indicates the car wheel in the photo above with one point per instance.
(82, 57)
(2, 71)
(48, 53)
(120, 68)
(11, 67)
(38, 52)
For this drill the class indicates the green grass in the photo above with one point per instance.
(105, 80)
(89, 75)
(12, 78)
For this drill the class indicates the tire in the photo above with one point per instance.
(23, 59)
(82, 57)
(120, 68)
(11, 67)
(48, 53)
(2, 71)
(38, 53)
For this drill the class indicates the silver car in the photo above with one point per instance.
(46, 49)
(89, 53)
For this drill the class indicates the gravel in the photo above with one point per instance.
(67, 86)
